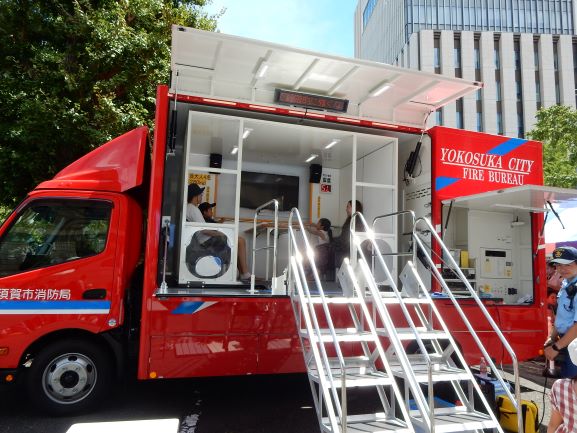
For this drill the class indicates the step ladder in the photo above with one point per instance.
(378, 347)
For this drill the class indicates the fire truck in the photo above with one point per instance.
(102, 275)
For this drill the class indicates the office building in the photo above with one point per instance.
(524, 51)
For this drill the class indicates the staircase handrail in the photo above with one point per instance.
(457, 270)
(304, 291)
(255, 249)
(383, 312)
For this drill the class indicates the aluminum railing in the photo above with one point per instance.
(308, 309)
(385, 317)
(457, 270)
(268, 247)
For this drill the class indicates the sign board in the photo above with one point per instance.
(466, 163)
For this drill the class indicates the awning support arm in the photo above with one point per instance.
(448, 218)
(555, 213)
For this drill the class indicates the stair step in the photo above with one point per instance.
(342, 334)
(351, 361)
(369, 423)
(391, 298)
(441, 372)
(387, 298)
(355, 377)
(424, 334)
(457, 419)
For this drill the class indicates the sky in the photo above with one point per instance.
(317, 25)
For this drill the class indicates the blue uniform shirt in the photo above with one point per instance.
(565, 317)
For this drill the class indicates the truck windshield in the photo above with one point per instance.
(49, 232)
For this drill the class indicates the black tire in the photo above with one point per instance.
(68, 377)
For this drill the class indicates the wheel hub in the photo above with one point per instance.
(69, 378)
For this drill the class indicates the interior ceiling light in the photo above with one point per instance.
(234, 150)
(310, 158)
(332, 143)
(381, 88)
(246, 133)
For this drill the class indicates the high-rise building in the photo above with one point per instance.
(524, 51)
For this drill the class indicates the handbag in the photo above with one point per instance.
(507, 415)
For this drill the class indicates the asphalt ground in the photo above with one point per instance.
(251, 404)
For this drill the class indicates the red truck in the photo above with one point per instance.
(101, 276)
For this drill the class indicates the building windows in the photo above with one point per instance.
(520, 125)
(437, 54)
(525, 16)
(538, 93)
(439, 117)
(557, 93)
(457, 58)
(497, 55)
(477, 55)
(479, 121)
(369, 8)
(500, 123)
(459, 113)
(536, 55)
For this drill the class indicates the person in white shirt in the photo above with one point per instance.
(194, 197)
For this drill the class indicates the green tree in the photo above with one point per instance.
(556, 128)
(76, 73)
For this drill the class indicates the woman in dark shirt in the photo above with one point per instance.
(343, 242)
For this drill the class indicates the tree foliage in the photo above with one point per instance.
(76, 73)
(556, 128)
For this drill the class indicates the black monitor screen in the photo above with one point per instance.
(258, 188)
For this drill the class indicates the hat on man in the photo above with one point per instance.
(204, 206)
(194, 190)
(564, 255)
(572, 348)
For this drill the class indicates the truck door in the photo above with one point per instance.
(57, 270)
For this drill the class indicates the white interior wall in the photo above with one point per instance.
(493, 230)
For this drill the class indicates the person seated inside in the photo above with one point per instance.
(206, 210)
(324, 252)
(194, 214)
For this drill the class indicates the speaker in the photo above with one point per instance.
(215, 160)
(316, 171)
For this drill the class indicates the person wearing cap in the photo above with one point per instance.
(565, 329)
(564, 400)
(206, 209)
(194, 196)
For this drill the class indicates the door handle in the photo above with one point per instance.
(94, 294)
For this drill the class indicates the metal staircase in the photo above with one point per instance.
(374, 344)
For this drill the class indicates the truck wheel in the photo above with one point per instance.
(68, 376)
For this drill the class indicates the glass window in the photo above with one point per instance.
(497, 60)
(538, 91)
(519, 90)
(477, 58)
(499, 123)
(49, 232)
(439, 116)
(479, 121)
(369, 8)
(557, 93)
(437, 57)
(498, 90)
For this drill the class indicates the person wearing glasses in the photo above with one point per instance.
(565, 329)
